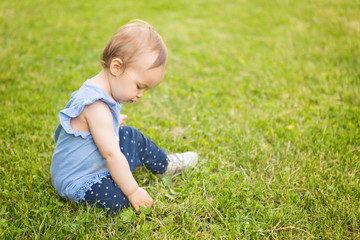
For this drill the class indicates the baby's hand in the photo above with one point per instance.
(123, 117)
(140, 198)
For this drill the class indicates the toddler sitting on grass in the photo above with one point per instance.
(94, 156)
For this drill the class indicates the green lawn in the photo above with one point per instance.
(267, 92)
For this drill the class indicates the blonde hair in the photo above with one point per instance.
(130, 41)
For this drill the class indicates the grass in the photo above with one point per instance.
(266, 91)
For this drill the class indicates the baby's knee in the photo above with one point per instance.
(127, 130)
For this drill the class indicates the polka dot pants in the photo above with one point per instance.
(138, 150)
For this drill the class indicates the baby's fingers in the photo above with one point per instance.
(137, 208)
(146, 204)
(122, 119)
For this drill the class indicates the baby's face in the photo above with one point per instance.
(136, 79)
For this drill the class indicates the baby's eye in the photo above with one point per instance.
(138, 87)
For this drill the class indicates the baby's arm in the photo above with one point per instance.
(100, 122)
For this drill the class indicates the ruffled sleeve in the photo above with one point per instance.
(73, 111)
(87, 95)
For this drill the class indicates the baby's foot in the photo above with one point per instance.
(179, 162)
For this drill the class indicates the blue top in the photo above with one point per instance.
(77, 163)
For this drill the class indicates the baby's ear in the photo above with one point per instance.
(116, 66)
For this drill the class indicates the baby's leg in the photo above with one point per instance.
(139, 150)
(107, 195)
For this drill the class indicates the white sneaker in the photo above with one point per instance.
(179, 162)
